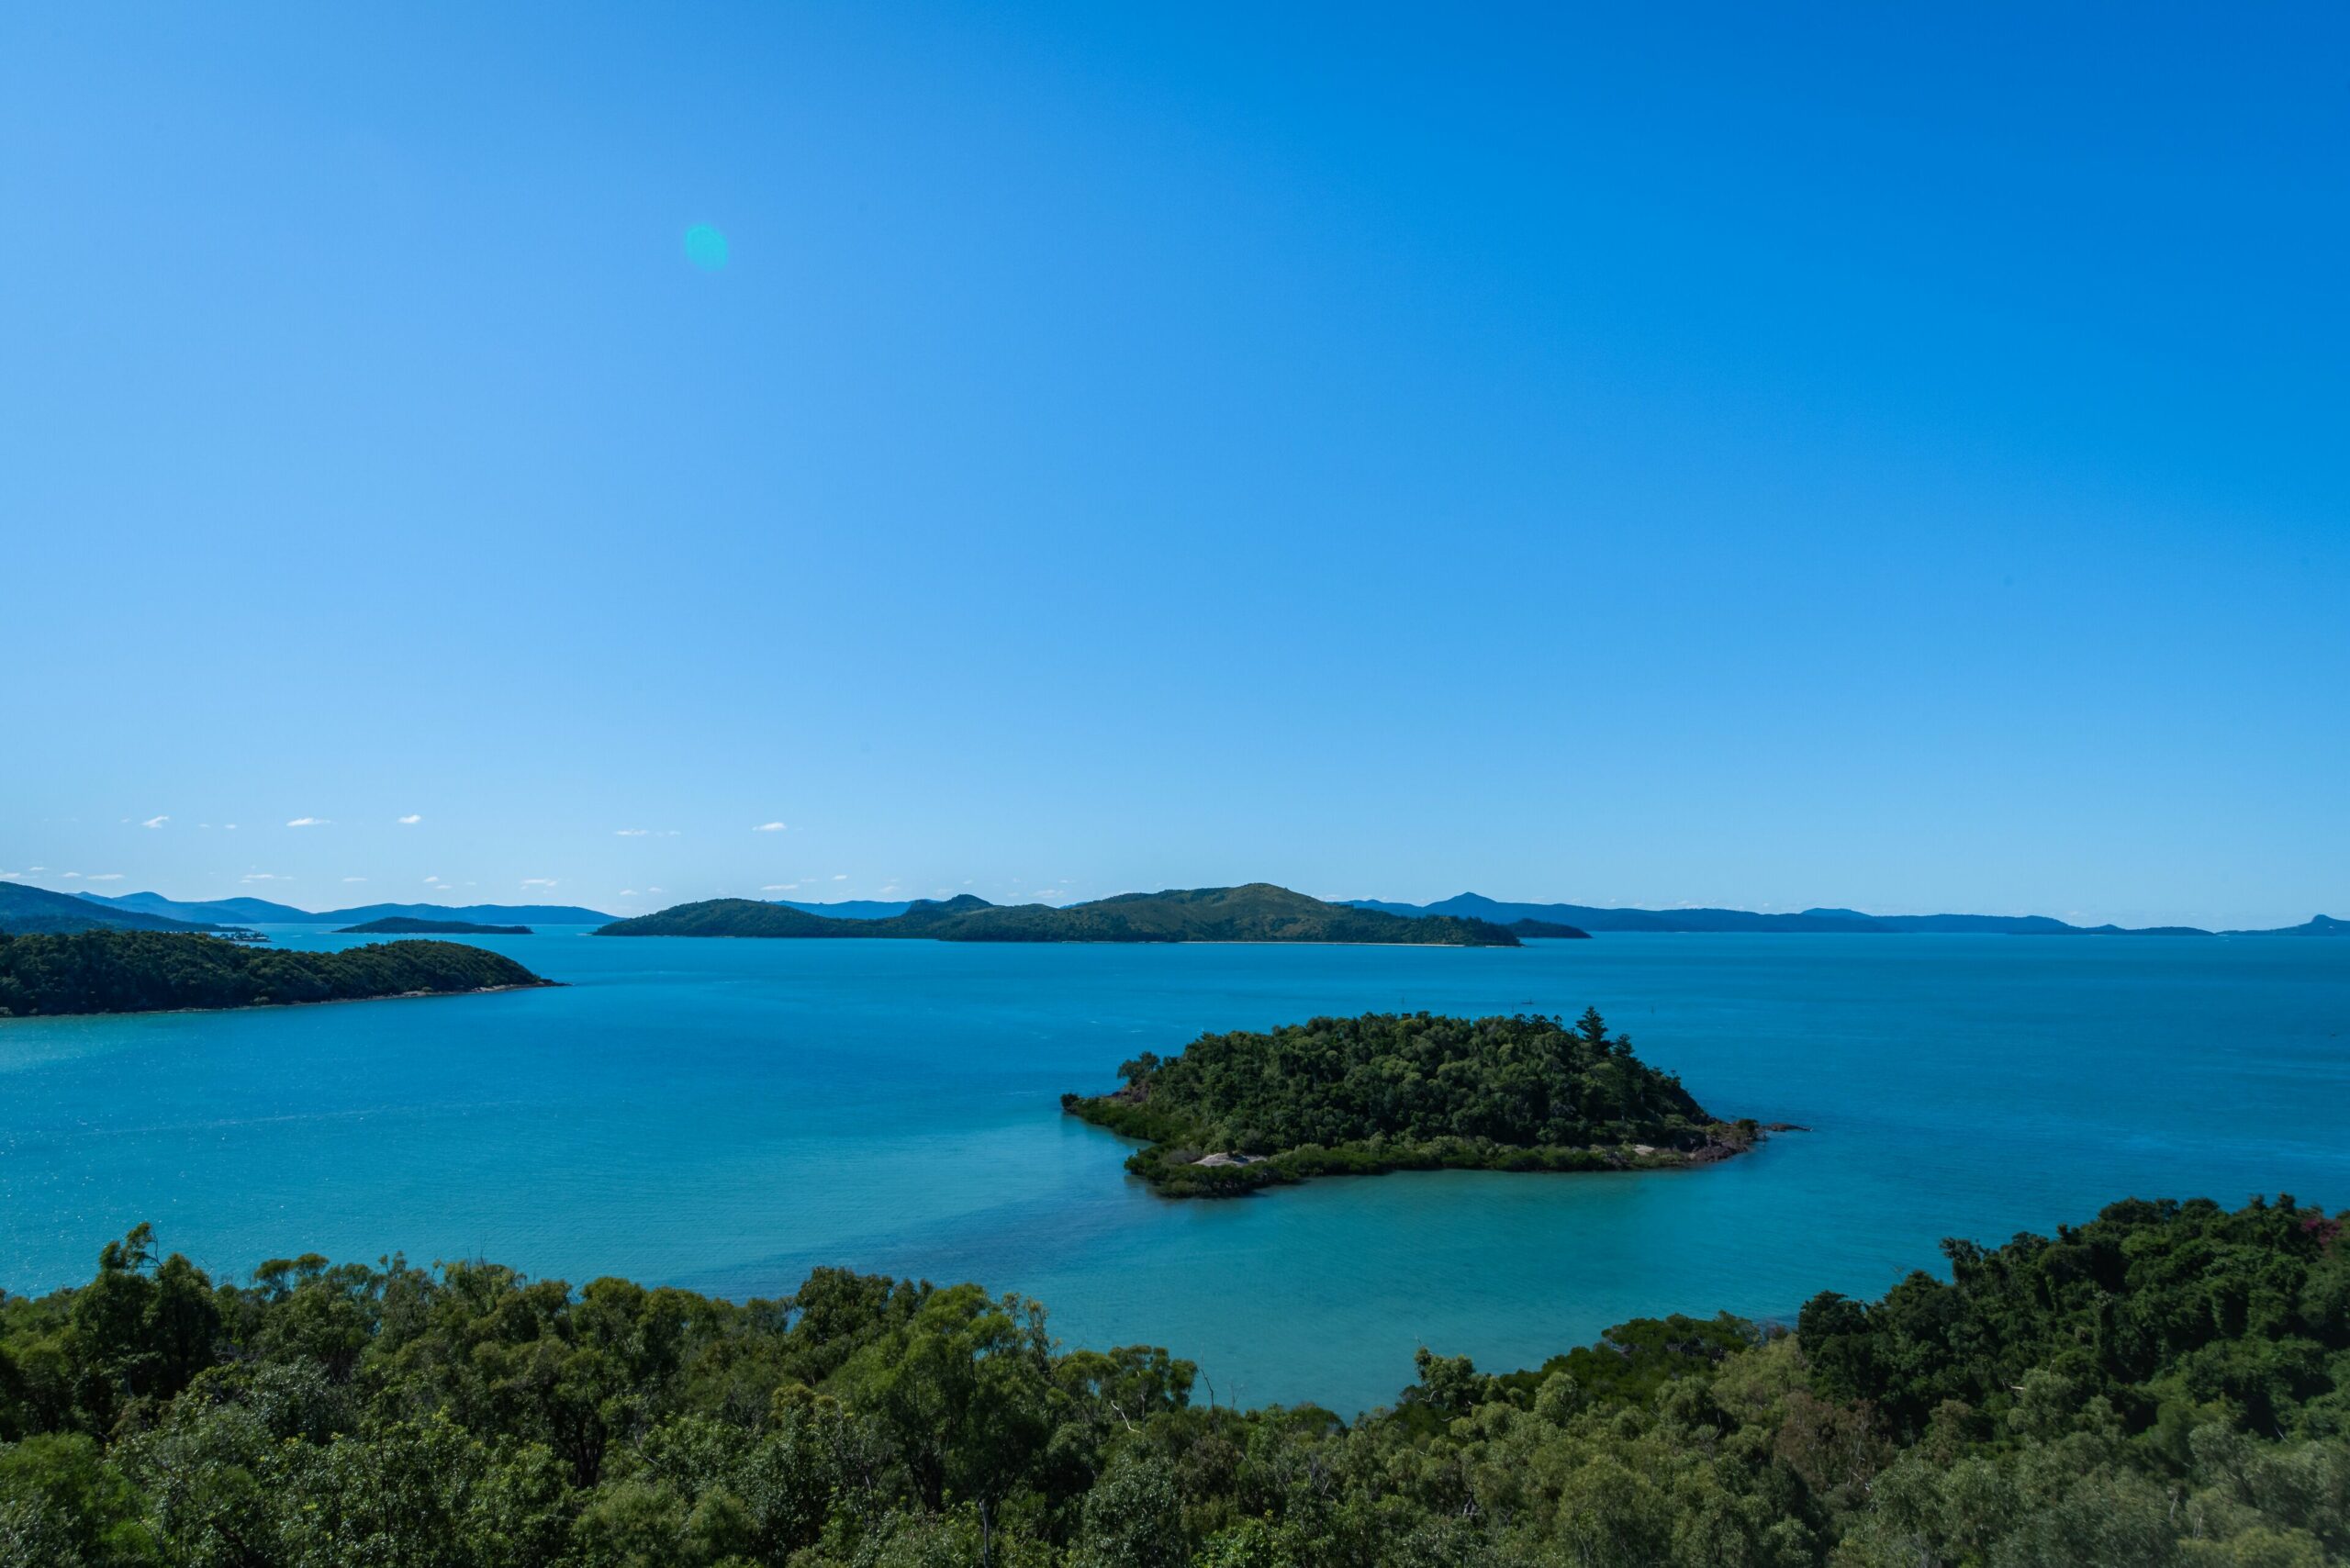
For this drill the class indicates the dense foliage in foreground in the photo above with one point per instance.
(1401, 1091)
(2166, 1387)
(1257, 911)
(147, 971)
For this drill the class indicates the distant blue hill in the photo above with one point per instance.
(261, 911)
(2316, 926)
(1821, 921)
(247, 910)
(28, 910)
(851, 908)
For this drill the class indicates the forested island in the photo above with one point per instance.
(2166, 1387)
(407, 925)
(1403, 1092)
(148, 972)
(1547, 931)
(1258, 911)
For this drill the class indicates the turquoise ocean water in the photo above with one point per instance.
(723, 1115)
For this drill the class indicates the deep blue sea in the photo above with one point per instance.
(723, 1115)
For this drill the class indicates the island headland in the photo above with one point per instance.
(157, 971)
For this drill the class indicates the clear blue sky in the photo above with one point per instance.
(1896, 460)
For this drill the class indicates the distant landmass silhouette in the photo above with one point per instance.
(1257, 911)
(1822, 922)
(851, 908)
(261, 911)
(28, 911)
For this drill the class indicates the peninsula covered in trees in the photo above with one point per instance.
(1403, 1092)
(2166, 1387)
(407, 926)
(145, 971)
(1258, 911)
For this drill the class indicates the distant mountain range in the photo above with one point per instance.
(1269, 914)
(28, 910)
(1256, 912)
(853, 909)
(1822, 922)
(261, 911)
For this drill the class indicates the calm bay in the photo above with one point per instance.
(726, 1115)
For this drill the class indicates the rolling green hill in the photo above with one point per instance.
(1258, 911)
(152, 971)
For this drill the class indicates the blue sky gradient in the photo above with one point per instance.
(1675, 456)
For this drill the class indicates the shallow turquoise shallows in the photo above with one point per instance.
(723, 1115)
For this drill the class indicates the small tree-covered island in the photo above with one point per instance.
(1403, 1092)
(409, 926)
(158, 971)
(2166, 1387)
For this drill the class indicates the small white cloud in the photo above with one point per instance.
(69, 874)
(264, 876)
(308, 821)
(840, 877)
(631, 831)
(768, 827)
(354, 879)
(106, 876)
(410, 820)
(652, 889)
(626, 893)
(232, 827)
(780, 887)
(432, 878)
(538, 881)
(154, 822)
